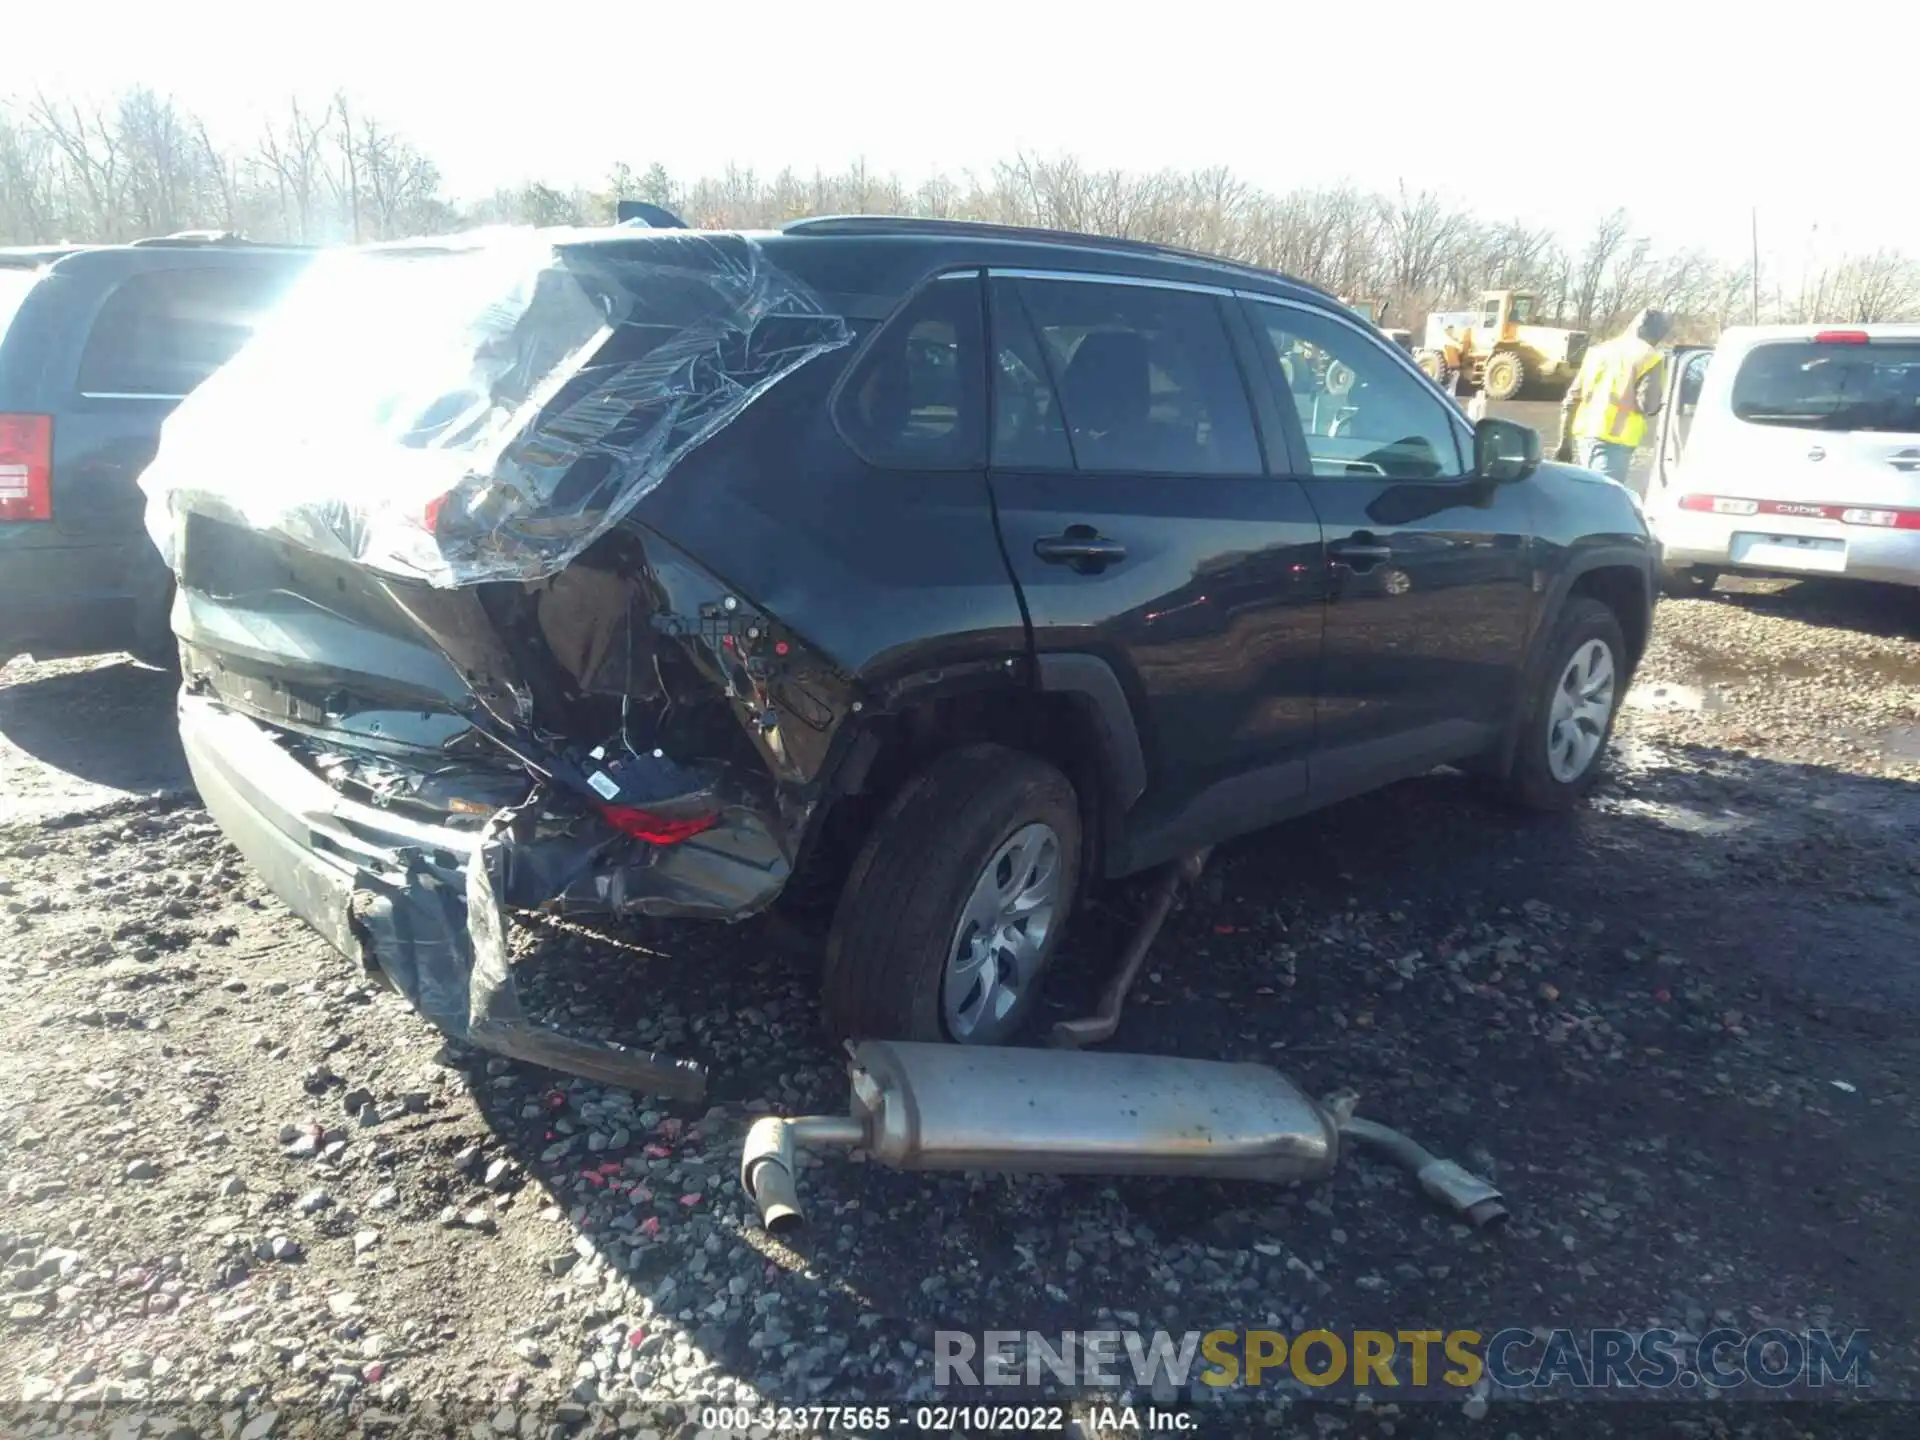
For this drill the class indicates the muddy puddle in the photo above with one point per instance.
(1672, 696)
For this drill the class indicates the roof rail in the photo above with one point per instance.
(195, 237)
(986, 229)
(32, 257)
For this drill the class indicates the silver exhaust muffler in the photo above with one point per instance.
(1059, 1112)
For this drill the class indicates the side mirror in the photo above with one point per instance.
(1504, 452)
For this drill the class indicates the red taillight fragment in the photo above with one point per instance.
(656, 829)
(1841, 337)
(26, 467)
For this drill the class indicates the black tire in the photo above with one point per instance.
(902, 906)
(1505, 375)
(1433, 367)
(1690, 582)
(1532, 782)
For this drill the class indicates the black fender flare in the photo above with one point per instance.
(1091, 680)
(1612, 555)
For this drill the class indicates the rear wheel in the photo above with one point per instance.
(1506, 375)
(954, 908)
(1568, 717)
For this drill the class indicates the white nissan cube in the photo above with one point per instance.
(1791, 450)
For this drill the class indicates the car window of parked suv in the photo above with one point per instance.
(1363, 413)
(1809, 384)
(916, 399)
(1145, 378)
(161, 332)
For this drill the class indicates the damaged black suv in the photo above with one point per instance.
(945, 567)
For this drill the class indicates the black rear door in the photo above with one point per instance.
(1144, 530)
(1430, 593)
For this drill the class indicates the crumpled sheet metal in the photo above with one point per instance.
(451, 961)
(482, 408)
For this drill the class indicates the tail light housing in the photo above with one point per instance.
(1880, 518)
(1719, 505)
(1871, 516)
(26, 467)
(1841, 337)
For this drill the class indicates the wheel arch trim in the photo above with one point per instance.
(1092, 680)
(1612, 555)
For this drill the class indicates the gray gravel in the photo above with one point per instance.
(239, 1175)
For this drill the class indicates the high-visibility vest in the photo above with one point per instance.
(1610, 391)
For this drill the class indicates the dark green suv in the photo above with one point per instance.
(935, 569)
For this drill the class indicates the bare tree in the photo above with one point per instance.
(1419, 229)
(1590, 272)
(1880, 286)
(90, 160)
(334, 173)
(293, 155)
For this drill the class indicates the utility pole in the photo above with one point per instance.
(1754, 216)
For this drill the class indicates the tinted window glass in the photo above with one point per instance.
(1363, 413)
(1875, 386)
(163, 332)
(1146, 378)
(917, 400)
(1027, 429)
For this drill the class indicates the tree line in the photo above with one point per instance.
(329, 173)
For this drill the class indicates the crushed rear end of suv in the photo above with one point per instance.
(428, 674)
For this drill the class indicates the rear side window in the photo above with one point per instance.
(917, 398)
(1814, 386)
(1028, 433)
(162, 332)
(1146, 378)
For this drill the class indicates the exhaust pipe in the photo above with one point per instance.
(1058, 1112)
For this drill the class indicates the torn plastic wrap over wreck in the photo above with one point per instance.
(482, 408)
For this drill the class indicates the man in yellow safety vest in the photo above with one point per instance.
(1604, 417)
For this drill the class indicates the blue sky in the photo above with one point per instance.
(1670, 121)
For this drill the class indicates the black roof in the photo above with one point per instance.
(32, 257)
(919, 226)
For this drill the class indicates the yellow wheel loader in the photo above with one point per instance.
(1499, 351)
(1374, 312)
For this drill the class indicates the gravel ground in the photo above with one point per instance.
(1678, 1028)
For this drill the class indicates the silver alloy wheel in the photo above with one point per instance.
(1003, 932)
(1582, 706)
